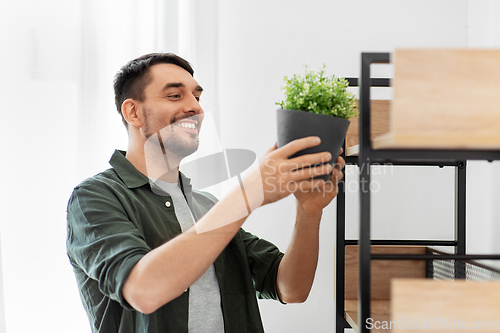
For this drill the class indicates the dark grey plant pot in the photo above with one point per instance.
(293, 124)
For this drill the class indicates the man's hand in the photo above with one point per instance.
(314, 200)
(282, 175)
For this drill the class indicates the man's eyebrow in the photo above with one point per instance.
(174, 85)
(180, 85)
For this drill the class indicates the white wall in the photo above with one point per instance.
(59, 126)
(38, 161)
(483, 186)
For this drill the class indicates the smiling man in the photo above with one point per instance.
(134, 231)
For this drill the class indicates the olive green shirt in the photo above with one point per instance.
(115, 218)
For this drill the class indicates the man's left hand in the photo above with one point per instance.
(314, 200)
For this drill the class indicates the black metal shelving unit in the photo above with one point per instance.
(368, 156)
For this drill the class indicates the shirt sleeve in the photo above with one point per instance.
(264, 259)
(101, 239)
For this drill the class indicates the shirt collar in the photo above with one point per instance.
(187, 188)
(126, 171)
(134, 178)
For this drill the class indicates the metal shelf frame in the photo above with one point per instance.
(368, 156)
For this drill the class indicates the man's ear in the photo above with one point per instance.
(130, 112)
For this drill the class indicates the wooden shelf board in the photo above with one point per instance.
(352, 151)
(379, 124)
(389, 141)
(444, 99)
(382, 271)
(380, 312)
(442, 305)
(437, 141)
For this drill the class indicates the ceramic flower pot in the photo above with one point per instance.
(293, 124)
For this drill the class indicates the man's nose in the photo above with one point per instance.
(193, 105)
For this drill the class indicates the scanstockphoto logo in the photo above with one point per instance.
(433, 324)
(201, 157)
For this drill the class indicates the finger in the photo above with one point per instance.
(310, 172)
(338, 175)
(340, 163)
(273, 148)
(311, 159)
(300, 144)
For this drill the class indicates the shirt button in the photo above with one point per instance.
(168, 204)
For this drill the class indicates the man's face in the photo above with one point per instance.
(171, 109)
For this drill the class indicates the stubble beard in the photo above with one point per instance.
(172, 145)
(177, 146)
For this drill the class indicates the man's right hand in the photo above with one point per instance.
(281, 175)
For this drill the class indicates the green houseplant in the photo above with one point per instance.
(315, 104)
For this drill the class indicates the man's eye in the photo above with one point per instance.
(175, 96)
(197, 98)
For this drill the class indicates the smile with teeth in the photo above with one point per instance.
(187, 125)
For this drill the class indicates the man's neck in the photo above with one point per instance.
(154, 166)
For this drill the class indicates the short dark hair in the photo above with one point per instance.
(132, 79)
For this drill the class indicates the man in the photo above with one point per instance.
(142, 263)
